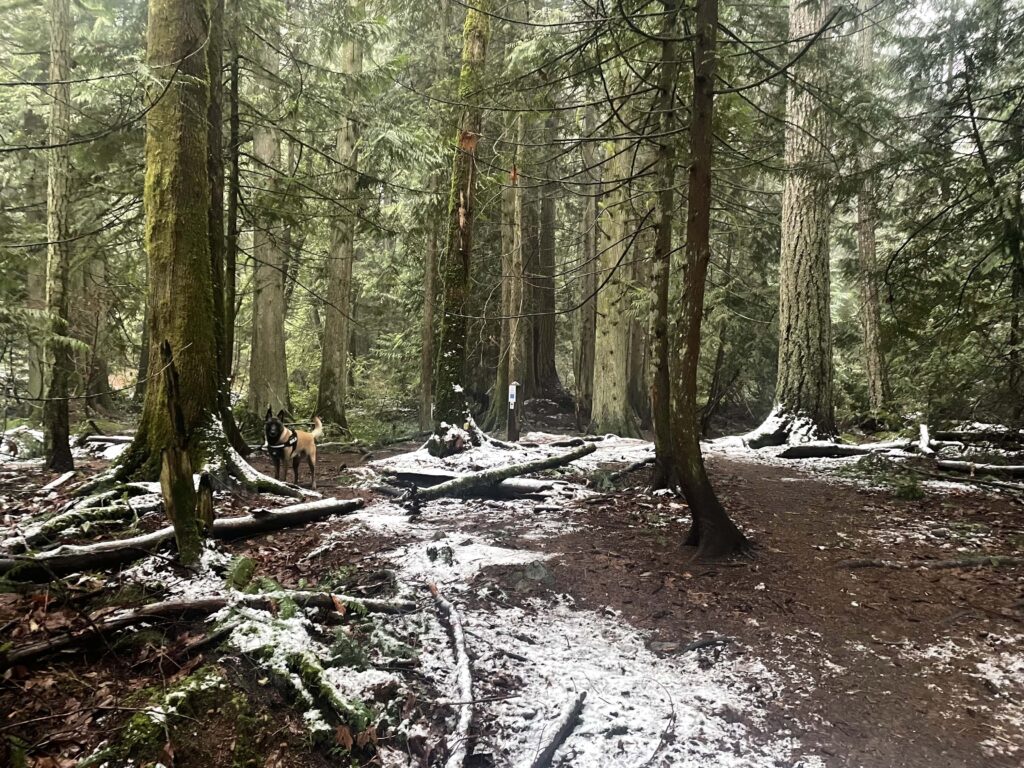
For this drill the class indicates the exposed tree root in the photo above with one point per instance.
(106, 554)
(973, 561)
(566, 722)
(100, 625)
(458, 742)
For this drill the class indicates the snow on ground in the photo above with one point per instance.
(639, 706)
(997, 663)
(698, 709)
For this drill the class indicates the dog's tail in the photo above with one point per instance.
(318, 428)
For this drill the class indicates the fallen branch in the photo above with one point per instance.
(614, 476)
(458, 743)
(55, 484)
(100, 625)
(489, 478)
(107, 554)
(119, 439)
(983, 469)
(566, 722)
(981, 436)
(973, 561)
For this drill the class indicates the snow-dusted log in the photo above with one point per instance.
(458, 742)
(823, 450)
(566, 722)
(924, 442)
(111, 439)
(980, 436)
(488, 478)
(974, 561)
(107, 554)
(100, 625)
(1006, 470)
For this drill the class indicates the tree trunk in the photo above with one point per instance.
(587, 278)
(665, 125)
(871, 311)
(449, 400)
(215, 173)
(530, 220)
(548, 383)
(712, 531)
(612, 411)
(427, 329)
(177, 201)
(333, 391)
(268, 371)
(498, 411)
(803, 393)
(231, 246)
(35, 285)
(56, 419)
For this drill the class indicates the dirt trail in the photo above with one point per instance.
(821, 664)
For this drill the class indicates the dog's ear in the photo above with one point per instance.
(270, 414)
(281, 414)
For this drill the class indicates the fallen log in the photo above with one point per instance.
(838, 450)
(971, 468)
(55, 484)
(974, 561)
(566, 722)
(119, 439)
(924, 443)
(980, 436)
(489, 478)
(458, 742)
(100, 625)
(107, 554)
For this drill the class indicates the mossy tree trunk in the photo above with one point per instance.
(333, 391)
(712, 531)
(803, 407)
(449, 400)
(177, 201)
(56, 419)
(612, 411)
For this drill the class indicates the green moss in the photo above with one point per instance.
(240, 572)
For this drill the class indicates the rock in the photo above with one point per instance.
(662, 647)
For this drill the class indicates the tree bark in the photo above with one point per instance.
(231, 246)
(268, 370)
(449, 400)
(56, 419)
(803, 393)
(548, 383)
(498, 411)
(427, 328)
(662, 257)
(177, 201)
(612, 411)
(587, 279)
(333, 391)
(871, 310)
(712, 531)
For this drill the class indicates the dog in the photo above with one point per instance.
(291, 446)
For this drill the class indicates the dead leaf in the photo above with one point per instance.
(339, 605)
(167, 755)
(343, 735)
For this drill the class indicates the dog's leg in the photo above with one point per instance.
(277, 468)
(312, 471)
(295, 468)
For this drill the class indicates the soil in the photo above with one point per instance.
(856, 646)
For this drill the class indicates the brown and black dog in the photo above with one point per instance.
(291, 446)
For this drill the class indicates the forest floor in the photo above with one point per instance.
(787, 658)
